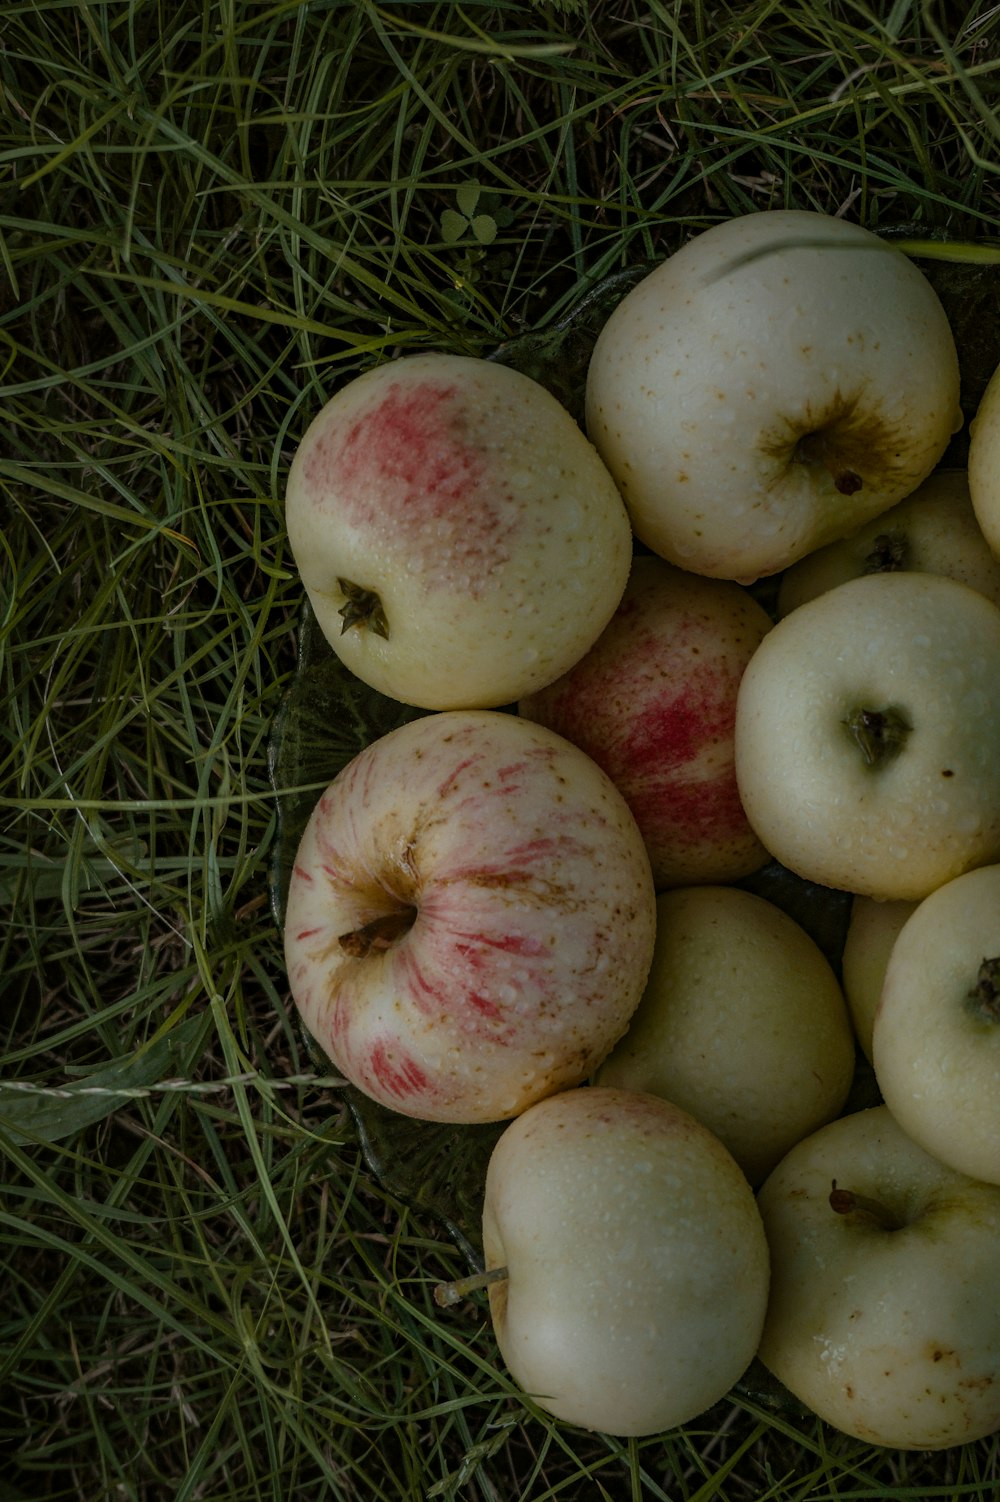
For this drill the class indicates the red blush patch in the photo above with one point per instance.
(404, 469)
(395, 1072)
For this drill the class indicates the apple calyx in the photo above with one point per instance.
(380, 933)
(452, 1293)
(816, 448)
(867, 1210)
(985, 994)
(879, 734)
(889, 554)
(362, 607)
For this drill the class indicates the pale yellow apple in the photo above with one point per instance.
(933, 531)
(459, 538)
(871, 933)
(936, 1040)
(742, 1023)
(636, 1262)
(984, 462)
(883, 1316)
(867, 726)
(782, 378)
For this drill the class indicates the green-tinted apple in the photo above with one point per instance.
(936, 1041)
(883, 1316)
(867, 726)
(635, 1259)
(933, 531)
(871, 933)
(742, 1023)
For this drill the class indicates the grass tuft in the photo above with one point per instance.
(210, 215)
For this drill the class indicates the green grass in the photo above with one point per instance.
(210, 215)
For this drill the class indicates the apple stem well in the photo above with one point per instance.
(889, 554)
(380, 933)
(446, 1294)
(864, 1208)
(879, 734)
(362, 607)
(815, 448)
(985, 994)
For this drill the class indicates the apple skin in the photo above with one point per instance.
(935, 1047)
(922, 646)
(742, 1023)
(782, 378)
(932, 531)
(871, 933)
(654, 703)
(984, 462)
(637, 1262)
(520, 917)
(890, 1334)
(464, 496)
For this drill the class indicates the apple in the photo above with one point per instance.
(871, 933)
(654, 703)
(936, 1039)
(742, 1023)
(867, 724)
(984, 462)
(629, 1263)
(933, 531)
(470, 917)
(883, 1316)
(782, 378)
(458, 536)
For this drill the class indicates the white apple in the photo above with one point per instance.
(866, 731)
(458, 536)
(782, 378)
(871, 933)
(933, 531)
(742, 1023)
(636, 1263)
(470, 918)
(883, 1316)
(984, 462)
(936, 1040)
(654, 703)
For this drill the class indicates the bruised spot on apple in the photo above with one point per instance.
(471, 916)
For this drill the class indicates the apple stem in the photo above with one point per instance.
(878, 733)
(888, 554)
(846, 1202)
(362, 607)
(452, 1293)
(985, 994)
(381, 933)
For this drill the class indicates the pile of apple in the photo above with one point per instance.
(537, 916)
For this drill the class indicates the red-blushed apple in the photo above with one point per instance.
(933, 531)
(470, 917)
(634, 1262)
(984, 462)
(459, 538)
(867, 724)
(742, 1023)
(883, 1316)
(782, 378)
(871, 933)
(654, 703)
(936, 1039)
